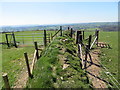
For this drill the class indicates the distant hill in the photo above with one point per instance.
(105, 26)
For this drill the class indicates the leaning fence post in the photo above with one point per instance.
(60, 30)
(45, 42)
(86, 54)
(36, 48)
(6, 81)
(27, 63)
(89, 41)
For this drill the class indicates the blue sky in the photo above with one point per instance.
(21, 13)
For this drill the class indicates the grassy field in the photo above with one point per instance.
(13, 58)
(108, 57)
(13, 61)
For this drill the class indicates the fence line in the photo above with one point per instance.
(80, 44)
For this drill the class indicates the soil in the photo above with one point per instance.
(62, 60)
(94, 69)
(23, 76)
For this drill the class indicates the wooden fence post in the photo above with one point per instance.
(71, 32)
(89, 41)
(80, 38)
(83, 35)
(60, 30)
(6, 81)
(14, 40)
(36, 48)
(49, 37)
(27, 63)
(45, 41)
(78, 32)
(97, 34)
(68, 28)
(86, 54)
(7, 40)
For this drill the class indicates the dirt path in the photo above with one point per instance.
(94, 69)
(23, 76)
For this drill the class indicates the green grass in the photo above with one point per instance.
(48, 69)
(109, 57)
(43, 74)
(13, 61)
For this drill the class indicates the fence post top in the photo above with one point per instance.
(25, 52)
(90, 35)
(4, 74)
(60, 27)
(87, 45)
(68, 28)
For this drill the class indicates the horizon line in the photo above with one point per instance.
(59, 23)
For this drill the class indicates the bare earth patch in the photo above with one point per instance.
(23, 76)
(94, 69)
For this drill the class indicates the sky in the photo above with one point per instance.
(23, 13)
